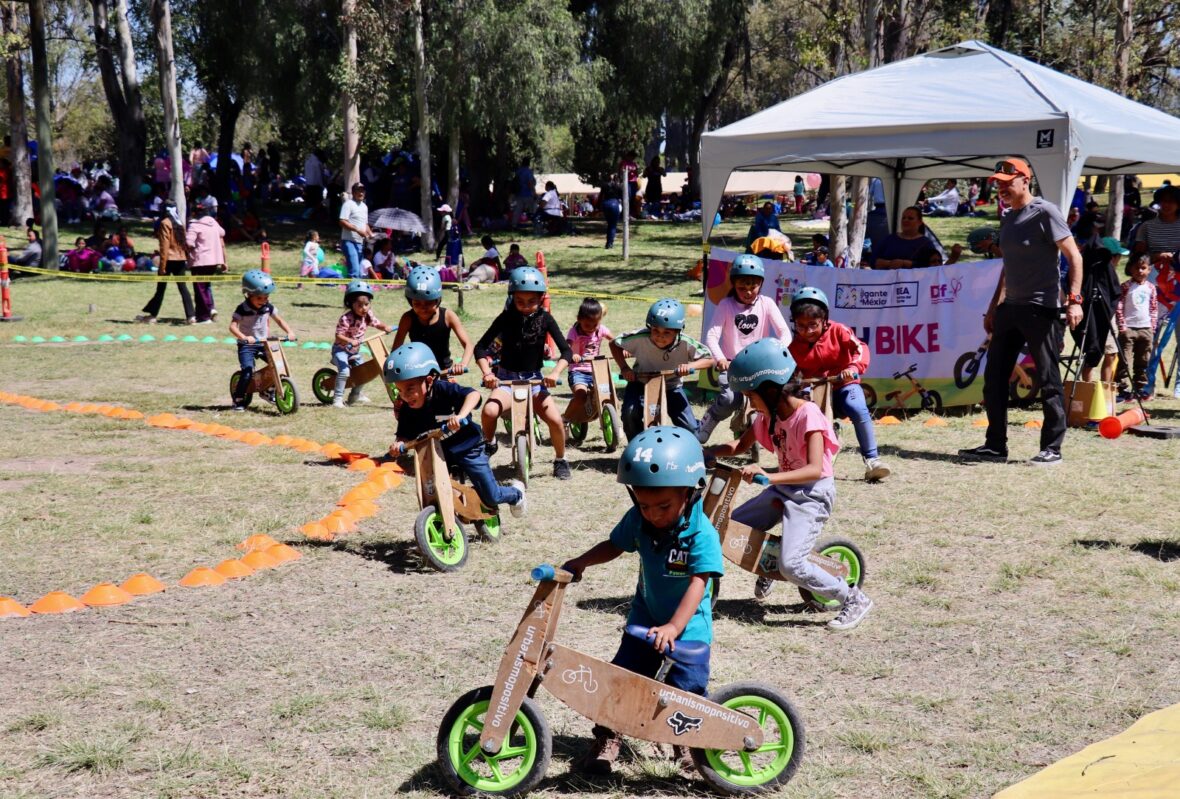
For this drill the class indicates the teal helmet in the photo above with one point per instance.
(355, 287)
(662, 457)
(765, 361)
(666, 313)
(977, 237)
(257, 282)
(424, 283)
(526, 278)
(409, 361)
(747, 266)
(810, 294)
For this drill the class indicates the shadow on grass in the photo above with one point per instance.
(746, 611)
(927, 455)
(1155, 548)
(559, 780)
(400, 557)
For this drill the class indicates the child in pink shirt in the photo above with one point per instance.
(740, 319)
(801, 493)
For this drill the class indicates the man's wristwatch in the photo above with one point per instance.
(1073, 299)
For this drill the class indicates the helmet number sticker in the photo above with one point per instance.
(643, 454)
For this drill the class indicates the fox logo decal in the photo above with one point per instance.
(681, 723)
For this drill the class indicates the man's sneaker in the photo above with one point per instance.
(338, 402)
(145, 319)
(521, 505)
(491, 447)
(762, 587)
(600, 757)
(853, 612)
(985, 452)
(875, 470)
(561, 469)
(1045, 457)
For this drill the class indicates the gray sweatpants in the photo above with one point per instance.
(803, 510)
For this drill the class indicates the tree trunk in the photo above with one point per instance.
(123, 96)
(453, 167)
(161, 14)
(862, 203)
(352, 161)
(1122, 63)
(709, 100)
(22, 200)
(838, 232)
(423, 125)
(42, 104)
(227, 125)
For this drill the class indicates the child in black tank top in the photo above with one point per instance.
(431, 324)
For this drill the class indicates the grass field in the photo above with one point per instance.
(1021, 613)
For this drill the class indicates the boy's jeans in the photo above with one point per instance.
(849, 401)
(475, 463)
(246, 355)
(678, 409)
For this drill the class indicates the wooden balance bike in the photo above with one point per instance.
(655, 396)
(273, 381)
(745, 738)
(323, 382)
(446, 505)
(602, 403)
(523, 429)
(757, 551)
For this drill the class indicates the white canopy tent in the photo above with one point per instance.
(949, 113)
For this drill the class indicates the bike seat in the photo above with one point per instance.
(692, 653)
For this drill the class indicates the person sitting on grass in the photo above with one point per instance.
(423, 401)
(487, 268)
(679, 554)
(83, 258)
(429, 323)
(385, 261)
(31, 254)
(514, 259)
(251, 327)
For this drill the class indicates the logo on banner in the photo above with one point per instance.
(785, 285)
(945, 292)
(1044, 138)
(886, 295)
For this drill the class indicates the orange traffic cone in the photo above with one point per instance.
(258, 560)
(10, 607)
(105, 595)
(56, 602)
(202, 576)
(256, 542)
(284, 553)
(142, 584)
(233, 569)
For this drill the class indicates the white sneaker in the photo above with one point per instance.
(338, 403)
(762, 587)
(853, 612)
(359, 399)
(875, 470)
(520, 507)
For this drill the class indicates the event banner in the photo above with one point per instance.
(924, 327)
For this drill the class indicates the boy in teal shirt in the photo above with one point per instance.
(679, 553)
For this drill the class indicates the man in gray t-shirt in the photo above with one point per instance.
(354, 227)
(1025, 311)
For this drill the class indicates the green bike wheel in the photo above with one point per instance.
(489, 529)
(447, 554)
(233, 384)
(523, 460)
(323, 384)
(770, 765)
(611, 428)
(288, 400)
(578, 431)
(516, 769)
(846, 552)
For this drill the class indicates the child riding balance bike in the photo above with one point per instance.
(251, 327)
(350, 334)
(744, 738)
(801, 494)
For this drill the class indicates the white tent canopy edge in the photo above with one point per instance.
(949, 113)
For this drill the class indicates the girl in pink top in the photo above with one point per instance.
(801, 493)
(742, 318)
(205, 240)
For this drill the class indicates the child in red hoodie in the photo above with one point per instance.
(823, 348)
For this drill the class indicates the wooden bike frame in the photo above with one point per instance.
(521, 412)
(602, 393)
(755, 551)
(655, 397)
(432, 480)
(271, 375)
(624, 701)
(372, 369)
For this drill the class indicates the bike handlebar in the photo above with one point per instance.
(546, 571)
(663, 373)
(899, 375)
(761, 479)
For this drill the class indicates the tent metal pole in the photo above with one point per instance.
(894, 209)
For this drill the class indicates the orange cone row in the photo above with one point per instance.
(261, 551)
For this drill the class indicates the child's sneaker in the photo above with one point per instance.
(600, 757)
(855, 609)
(762, 587)
(491, 447)
(237, 408)
(192, 320)
(984, 453)
(338, 402)
(561, 469)
(213, 315)
(520, 506)
(875, 470)
(359, 399)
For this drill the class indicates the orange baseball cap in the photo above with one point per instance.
(1011, 168)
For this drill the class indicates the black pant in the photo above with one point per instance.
(1012, 328)
(173, 269)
